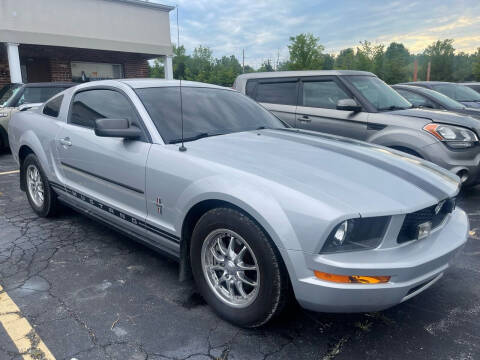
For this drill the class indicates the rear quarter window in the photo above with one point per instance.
(52, 108)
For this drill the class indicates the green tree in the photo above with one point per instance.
(157, 70)
(225, 70)
(476, 65)
(396, 60)
(328, 62)
(179, 62)
(305, 52)
(266, 66)
(200, 64)
(441, 54)
(345, 60)
(364, 56)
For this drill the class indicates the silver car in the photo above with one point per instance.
(255, 210)
(359, 105)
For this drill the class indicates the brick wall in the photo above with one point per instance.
(60, 70)
(60, 58)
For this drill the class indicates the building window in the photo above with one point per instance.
(89, 71)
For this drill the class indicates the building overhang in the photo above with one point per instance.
(163, 7)
(133, 26)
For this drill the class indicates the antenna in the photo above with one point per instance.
(182, 147)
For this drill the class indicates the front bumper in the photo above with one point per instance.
(464, 162)
(413, 267)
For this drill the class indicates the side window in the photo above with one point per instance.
(284, 93)
(250, 88)
(323, 94)
(90, 105)
(52, 108)
(416, 99)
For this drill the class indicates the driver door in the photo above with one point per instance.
(317, 109)
(106, 172)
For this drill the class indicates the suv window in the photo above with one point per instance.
(52, 108)
(250, 88)
(284, 93)
(322, 94)
(91, 105)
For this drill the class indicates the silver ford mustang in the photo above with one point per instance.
(255, 210)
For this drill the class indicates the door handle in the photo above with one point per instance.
(66, 142)
(305, 118)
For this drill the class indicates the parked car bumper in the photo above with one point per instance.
(413, 267)
(463, 162)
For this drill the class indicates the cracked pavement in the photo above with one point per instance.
(91, 293)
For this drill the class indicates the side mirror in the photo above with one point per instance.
(348, 105)
(116, 128)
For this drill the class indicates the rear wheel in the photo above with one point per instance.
(237, 269)
(41, 197)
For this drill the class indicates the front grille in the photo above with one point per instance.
(413, 220)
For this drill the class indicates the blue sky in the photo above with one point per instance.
(263, 28)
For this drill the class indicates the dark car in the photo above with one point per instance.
(18, 95)
(464, 94)
(472, 85)
(426, 98)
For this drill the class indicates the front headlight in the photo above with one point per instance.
(356, 234)
(3, 114)
(454, 136)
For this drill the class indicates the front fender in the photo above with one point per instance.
(412, 139)
(257, 202)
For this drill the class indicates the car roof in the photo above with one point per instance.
(274, 74)
(408, 87)
(50, 84)
(150, 83)
(425, 83)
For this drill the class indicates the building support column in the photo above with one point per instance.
(168, 67)
(14, 63)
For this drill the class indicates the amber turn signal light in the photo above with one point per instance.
(351, 279)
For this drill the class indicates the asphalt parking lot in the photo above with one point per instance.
(90, 293)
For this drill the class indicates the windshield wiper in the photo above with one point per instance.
(394, 107)
(193, 138)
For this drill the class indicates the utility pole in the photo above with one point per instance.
(243, 61)
(429, 66)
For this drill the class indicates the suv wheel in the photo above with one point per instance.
(41, 197)
(236, 268)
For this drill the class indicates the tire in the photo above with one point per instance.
(263, 302)
(48, 206)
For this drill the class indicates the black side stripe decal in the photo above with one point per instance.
(405, 175)
(103, 178)
(116, 212)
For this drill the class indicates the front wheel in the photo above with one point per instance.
(41, 197)
(237, 269)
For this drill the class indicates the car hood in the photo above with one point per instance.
(442, 116)
(471, 104)
(354, 176)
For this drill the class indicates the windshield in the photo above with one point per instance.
(7, 92)
(33, 95)
(206, 112)
(444, 100)
(379, 94)
(457, 92)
